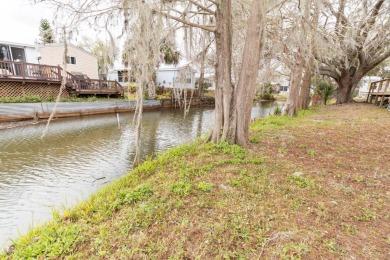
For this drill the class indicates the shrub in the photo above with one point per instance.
(266, 91)
(325, 91)
(278, 111)
(22, 99)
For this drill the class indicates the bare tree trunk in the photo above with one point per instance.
(347, 85)
(246, 86)
(224, 88)
(344, 91)
(233, 106)
(305, 89)
(343, 96)
(224, 62)
(295, 85)
(301, 66)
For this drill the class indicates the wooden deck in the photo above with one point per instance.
(379, 92)
(29, 72)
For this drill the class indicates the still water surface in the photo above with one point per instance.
(79, 156)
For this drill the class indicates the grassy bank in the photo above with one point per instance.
(314, 186)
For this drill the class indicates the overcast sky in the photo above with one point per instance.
(19, 20)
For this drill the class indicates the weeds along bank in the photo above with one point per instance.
(295, 192)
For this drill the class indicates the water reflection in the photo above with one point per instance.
(78, 156)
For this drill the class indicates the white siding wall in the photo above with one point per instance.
(165, 78)
(112, 75)
(85, 63)
(31, 55)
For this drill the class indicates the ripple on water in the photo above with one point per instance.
(39, 174)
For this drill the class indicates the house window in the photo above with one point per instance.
(18, 54)
(188, 78)
(283, 88)
(122, 76)
(4, 53)
(70, 60)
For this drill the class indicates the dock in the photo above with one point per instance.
(36, 78)
(379, 92)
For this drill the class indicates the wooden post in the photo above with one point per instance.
(23, 69)
(369, 92)
(59, 73)
(384, 93)
(377, 92)
(374, 86)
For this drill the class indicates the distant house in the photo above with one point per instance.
(119, 74)
(79, 61)
(175, 77)
(167, 76)
(11, 51)
(209, 80)
(36, 70)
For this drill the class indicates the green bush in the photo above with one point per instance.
(91, 99)
(50, 99)
(22, 99)
(325, 91)
(146, 95)
(266, 92)
(278, 111)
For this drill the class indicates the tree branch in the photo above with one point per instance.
(214, 2)
(326, 71)
(204, 8)
(209, 28)
(378, 60)
(371, 21)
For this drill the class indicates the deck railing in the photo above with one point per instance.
(22, 70)
(91, 86)
(14, 70)
(379, 90)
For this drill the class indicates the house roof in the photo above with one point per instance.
(162, 67)
(69, 44)
(165, 67)
(17, 44)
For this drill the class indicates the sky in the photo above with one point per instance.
(20, 19)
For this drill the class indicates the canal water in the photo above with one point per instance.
(79, 156)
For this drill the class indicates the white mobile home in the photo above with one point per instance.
(119, 74)
(175, 77)
(166, 76)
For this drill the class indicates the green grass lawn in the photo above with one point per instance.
(312, 186)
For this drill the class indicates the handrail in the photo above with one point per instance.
(378, 89)
(23, 70)
(17, 70)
